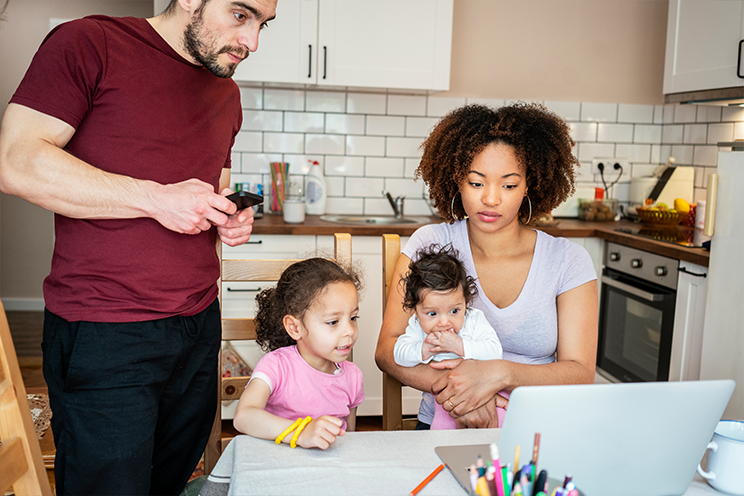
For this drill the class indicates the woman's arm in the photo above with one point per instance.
(394, 324)
(470, 384)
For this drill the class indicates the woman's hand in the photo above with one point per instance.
(484, 417)
(469, 384)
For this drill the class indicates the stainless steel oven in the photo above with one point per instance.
(636, 318)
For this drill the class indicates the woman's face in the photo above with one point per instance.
(494, 188)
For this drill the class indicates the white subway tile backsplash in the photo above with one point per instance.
(344, 124)
(584, 172)
(720, 132)
(708, 113)
(699, 177)
(411, 166)
(636, 114)
(262, 120)
(438, 107)
(634, 153)
(619, 133)
(251, 98)
(378, 206)
(685, 113)
(643, 170)
(365, 187)
(405, 187)
(335, 185)
(583, 131)
(403, 147)
(732, 114)
(343, 205)
(739, 130)
(383, 125)
(344, 166)
(279, 99)
(365, 145)
(416, 206)
(299, 164)
(406, 105)
(283, 143)
(384, 167)
(647, 134)
(695, 133)
(304, 122)
(420, 126)
(705, 155)
(599, 112)
(248, 141)
(325, 144)
(669, 114)
(570, 111)
(658, 114)
(258, 163)
(587, 151)
(683, 154)
(325, 101)
(665, 152)
(673, 134)
(366, 103)
(488, 102)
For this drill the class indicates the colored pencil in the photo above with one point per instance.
(427, 480)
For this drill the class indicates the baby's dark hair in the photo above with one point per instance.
(437, 268)
(298, 287)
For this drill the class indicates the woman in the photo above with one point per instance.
(491, 173)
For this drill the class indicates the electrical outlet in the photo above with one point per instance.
(610, 172)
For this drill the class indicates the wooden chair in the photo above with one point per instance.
(392, 398)
(244, 329)
(21, 465)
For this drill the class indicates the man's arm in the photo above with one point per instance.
(35, 166)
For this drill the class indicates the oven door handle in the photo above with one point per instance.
(633, 290)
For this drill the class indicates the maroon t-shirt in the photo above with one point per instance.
(141, 110)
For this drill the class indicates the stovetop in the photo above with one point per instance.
(680, 236)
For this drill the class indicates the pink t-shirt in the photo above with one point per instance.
(299, 390)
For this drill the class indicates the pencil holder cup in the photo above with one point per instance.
(726, 458)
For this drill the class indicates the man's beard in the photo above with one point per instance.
(197, 44)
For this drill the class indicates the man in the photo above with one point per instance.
(123, 128)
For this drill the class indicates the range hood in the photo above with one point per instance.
(724, 97)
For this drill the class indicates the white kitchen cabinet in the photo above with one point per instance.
(703, 49)
(396, 44)
(689, 322)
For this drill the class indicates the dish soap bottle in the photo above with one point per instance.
(315, 192)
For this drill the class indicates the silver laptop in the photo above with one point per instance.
(644, 439)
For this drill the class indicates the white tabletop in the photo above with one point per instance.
(371, 463)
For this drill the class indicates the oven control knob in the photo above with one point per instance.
(636, 263)
(614, 256)
(660, 271)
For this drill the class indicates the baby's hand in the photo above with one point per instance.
(321, 432)
(444, 342)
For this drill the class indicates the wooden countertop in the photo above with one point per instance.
(567, 228)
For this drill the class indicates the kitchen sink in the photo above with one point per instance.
(373, 220)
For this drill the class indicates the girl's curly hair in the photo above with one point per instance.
(298, 287)
(437, 268)
(541, 141)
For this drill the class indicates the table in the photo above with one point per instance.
(384, 463)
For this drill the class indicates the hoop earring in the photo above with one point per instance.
(529, 203)
(452, 207)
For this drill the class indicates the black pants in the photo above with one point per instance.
(132, 403)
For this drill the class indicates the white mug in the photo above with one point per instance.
(726, 458)
(294, 211)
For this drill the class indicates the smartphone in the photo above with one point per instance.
(245, 199)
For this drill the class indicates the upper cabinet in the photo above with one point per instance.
(396, 44)
(703, 49)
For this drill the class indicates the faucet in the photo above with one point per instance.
(396, 203)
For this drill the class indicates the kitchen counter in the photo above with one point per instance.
(567, 228)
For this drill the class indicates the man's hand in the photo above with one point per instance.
(237, 230)
(321, 432)
(190, 207)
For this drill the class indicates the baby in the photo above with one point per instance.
(439, 291)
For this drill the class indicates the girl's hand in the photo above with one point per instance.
(444, 342)
(469, 384)
(321, 432)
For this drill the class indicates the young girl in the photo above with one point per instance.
(443, 326)
(308, 323)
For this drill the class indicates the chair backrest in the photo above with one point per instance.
(21, 465)
(244, 329)
(392, 400)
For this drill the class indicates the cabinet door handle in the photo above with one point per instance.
(309, 61)
(325, 60)
(231, 290)
(738, 62)
(260, 241)
(682, 269)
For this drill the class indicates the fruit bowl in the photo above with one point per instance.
(660, 217)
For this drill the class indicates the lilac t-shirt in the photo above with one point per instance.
(528, 328)
(299, 390)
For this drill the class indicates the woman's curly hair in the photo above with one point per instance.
(541, 141)
(437, 268)
(298, 287)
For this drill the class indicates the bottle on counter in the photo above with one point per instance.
(315, 191)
